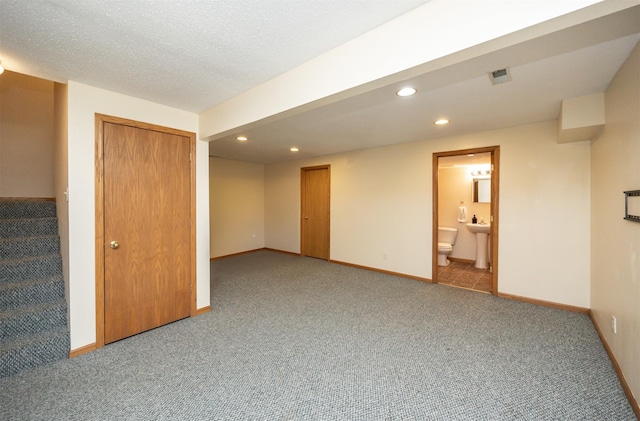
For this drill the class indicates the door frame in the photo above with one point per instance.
(303, 172)
(100, 119)
(494, 218)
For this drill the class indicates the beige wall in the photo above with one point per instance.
(26, 136)
(455, 186)
(236, 196)
(381, 202)
(615, 243)
(282, 207)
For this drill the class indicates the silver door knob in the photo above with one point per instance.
(114, 244)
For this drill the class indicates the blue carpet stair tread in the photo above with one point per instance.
(27, 209)
(33, 351)
(31, 340)
(19, 247)
(11, 228)
(37, 318)
(30, 292)
(33, 308)
(14, 270)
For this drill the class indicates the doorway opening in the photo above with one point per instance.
(466, 199)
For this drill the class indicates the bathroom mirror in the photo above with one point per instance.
(481, 190)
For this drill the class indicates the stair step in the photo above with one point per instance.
(16, 270)
(33, 351)
(11, 228)
(14, 295)
(33, 311)
(38, 318)
(12, 209)
(19, 247)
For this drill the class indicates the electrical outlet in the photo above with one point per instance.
(253, 236)
(614, 324)
(384, 256)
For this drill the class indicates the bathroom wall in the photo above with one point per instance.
(454, 186)
(236, 197)
(615, 242)
(26, 136)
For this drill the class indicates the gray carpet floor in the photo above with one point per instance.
(293, 338)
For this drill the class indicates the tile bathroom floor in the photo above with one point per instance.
(465, 275)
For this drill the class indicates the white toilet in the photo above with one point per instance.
(446, 239)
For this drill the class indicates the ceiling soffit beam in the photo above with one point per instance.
(581, 118)
(432, 37)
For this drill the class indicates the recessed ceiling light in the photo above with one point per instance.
(294, 149)
(406, 92)
(441, 121)
(242, 138)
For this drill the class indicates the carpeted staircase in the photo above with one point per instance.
(33, 309)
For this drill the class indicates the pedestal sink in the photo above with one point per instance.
(482, 235)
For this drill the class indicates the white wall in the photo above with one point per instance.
(454, 186)
(381, 202)
(615, 243)
(83, 102)
(26, 136)
(237, 206)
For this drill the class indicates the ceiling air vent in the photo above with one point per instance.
(500, 76)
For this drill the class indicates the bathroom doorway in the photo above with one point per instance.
(459, 180)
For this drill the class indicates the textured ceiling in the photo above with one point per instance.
(187, 54)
